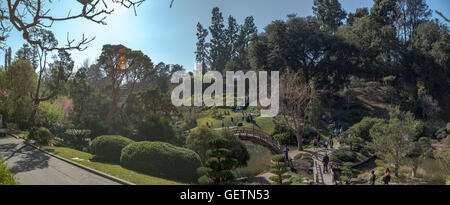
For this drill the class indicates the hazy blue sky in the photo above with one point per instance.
(168, 35)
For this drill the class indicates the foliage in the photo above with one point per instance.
(131, 63)
(41, 135)
(392, 139)
(76, 138)
(161, 159)
(6, 178)
(283, 138)
(109, 147)
(441, 133)
(305, 157)
(352, 141)
(362, 129)
(155, 128)
(220, 166)
(237, 148)
(279, 168)
(108, 167)
(329, 13)
(190, 121)
(443, 156)
(50, 113)
(20, 80)
(58, 129)
(421, 150)
(342, 156)
(198, 141)
(347, 172)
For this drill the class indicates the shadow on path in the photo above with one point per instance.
(23, 158)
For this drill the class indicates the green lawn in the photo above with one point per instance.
(19, 133)
(262, 123)
(111, 169)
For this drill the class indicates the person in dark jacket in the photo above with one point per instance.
(373, 177)
(387, 176)
(325, 161)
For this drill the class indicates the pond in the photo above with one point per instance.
(258, 163)
(259, 160)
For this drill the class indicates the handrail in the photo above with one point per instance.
(260, 135)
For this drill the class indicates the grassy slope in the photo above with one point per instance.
(111, 169)
(262, 123)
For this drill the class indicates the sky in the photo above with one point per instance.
(169, 34)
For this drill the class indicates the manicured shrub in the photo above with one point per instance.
(41, 135)
(109, 147)
(340, 156)
(58, 129)
(161, 159)
(76, 138)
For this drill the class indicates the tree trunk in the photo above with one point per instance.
(299, 142)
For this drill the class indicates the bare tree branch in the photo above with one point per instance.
(442, 15)
(26, 16)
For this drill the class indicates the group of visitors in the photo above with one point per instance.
(233, 120)
(386, 178)
(326, 144)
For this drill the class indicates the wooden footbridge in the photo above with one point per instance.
(258, 137)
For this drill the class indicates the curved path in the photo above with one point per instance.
(33, 167)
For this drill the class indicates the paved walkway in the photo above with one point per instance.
(33, 167)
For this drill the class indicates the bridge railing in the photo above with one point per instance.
(258, 134)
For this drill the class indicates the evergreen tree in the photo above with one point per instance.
(220, 166)
(218, 55)
(359, 13)
(329, 13)
(231, 38)
(383, 11)
(29, 53)
(279, 168)
(202, 46)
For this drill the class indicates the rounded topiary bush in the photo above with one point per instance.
(41, 135)
(162, 159)
(109, 147)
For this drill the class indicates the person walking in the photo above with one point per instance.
(387, 176)
(315, 142)
(325, 161)
(331, 143)
(286, 156)
(373, 177)
(325, 145)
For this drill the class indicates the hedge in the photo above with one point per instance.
(109, 147)
(161, 159)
